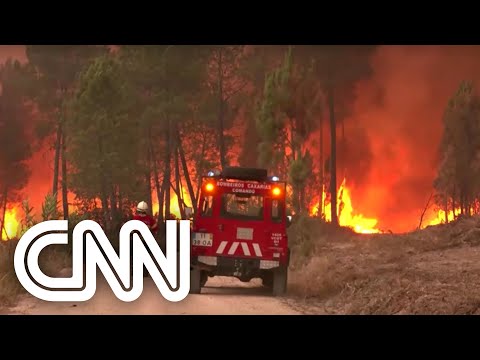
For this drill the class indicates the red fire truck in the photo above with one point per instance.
(240, 229)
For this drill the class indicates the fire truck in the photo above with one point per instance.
(239, 229)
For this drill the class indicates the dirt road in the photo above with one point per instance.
(432, 271)
(221, 296)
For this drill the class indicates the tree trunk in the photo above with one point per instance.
(221, 112)
(120, 203)
(462, 202)
(427, 205)
(103, 189)
(4, 210)
(295, 202)
(333, 155)
(113, 208)
(200, 171)
(56, 160)
(293, 141)
(167, 173)
(177, 183)
(298, 206)
(64, 177)
(104, 199)
(113, 200)
(322, 186)
(186, 174)
(302, 199)
(158, 190)
(446, 209)
(343, 165)
(148, 178)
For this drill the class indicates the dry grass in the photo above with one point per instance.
(52, 260)
(9, 285)
(432, 271)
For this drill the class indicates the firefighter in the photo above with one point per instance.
(142, 215)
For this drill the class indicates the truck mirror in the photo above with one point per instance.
(188, 212)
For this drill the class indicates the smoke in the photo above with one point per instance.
(41, 163)
(41, 179)
(392, 135)
(400, 109)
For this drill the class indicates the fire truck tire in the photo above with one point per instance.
(195, 281)
(203, 278)
(280, 278)
(267, 280)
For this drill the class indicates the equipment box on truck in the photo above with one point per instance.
(240, 229)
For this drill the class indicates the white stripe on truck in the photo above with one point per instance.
(234, 246)
(245, 249)
(258, 252)
(222, 247)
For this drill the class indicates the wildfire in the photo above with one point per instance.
(347, 216)
(439, 217)
(11, 227)
(174, 209)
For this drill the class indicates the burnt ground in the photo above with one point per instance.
(432, 271)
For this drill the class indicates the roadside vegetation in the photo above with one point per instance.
(52, 259)
(428, 271)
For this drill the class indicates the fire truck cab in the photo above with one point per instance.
(240, 229)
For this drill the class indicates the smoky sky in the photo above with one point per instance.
(392, 134)
(400, 108)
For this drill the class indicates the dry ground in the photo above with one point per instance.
(433, 271)
(51, 262)
(221, 296)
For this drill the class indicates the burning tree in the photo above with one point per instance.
(226, 82)
(167, 82)
(146, 122)
(14, 141)
(104, 139)
(338, 69)
(57, 67)
(457, 183)
(261, 60)
(285, 120)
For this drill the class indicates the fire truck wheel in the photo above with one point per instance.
(203, 278)
(195, 281)
(267, 280)
(280, 281)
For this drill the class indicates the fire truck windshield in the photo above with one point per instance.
(242, 207)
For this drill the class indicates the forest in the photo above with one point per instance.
(131, 123)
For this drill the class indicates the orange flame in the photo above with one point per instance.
(347, 216)
(11, 227)
(439, 217)
(174, 209)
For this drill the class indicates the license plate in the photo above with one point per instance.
(203, 239)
